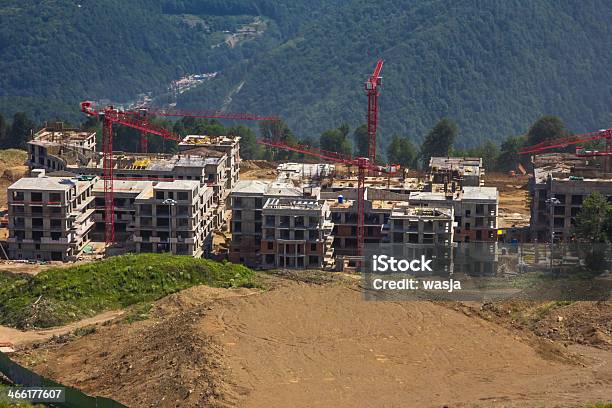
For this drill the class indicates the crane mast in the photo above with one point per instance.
(371, 88)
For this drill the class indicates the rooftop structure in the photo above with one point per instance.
(55, 148)
(303, 172)
(229, 145)
(466, 171)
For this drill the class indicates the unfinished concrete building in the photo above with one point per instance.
(475, 211)
(213, 161)
(228, 145)
(125, 192)
(559, 185)
(247, 200)
(463, 171)
(297, 233)
(174, 217)
(50, 218)
(247, 205)
(55, 148)
(420, 225)
(343, 209)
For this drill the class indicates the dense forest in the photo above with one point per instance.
(491, 67)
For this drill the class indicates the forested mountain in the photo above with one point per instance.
(492, 66)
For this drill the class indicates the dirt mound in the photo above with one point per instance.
(581, 322)
(250, 165)
(570, 323)
(307, 345)
(163, 362)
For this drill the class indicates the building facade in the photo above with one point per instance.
(175, 217)
(297, 234)
(50, 218)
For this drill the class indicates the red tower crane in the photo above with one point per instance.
(143, 113)
(138, 120)
(371, 88)
(363, 164)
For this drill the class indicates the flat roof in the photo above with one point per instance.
(124, 186)
(44, 183)
(283, 189)
(294, 204)
(479, 193)
(421, 212)
(177, 185)
(47, 183)
(427, 195)
(251, 187)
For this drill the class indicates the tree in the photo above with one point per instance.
(401, 151)
(509, 155)
(249, 149)
(594, 225)
(545, 128)
(336, 140)
(439, 141)
(4, 129)
(489, 152)
(594, 219)
(361, 139)
(278, 131)
(20, 131)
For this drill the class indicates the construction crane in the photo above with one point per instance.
(603, 134)
(363, 164)
(138, 119)
(371, 88)
(144, 112)
(110, 115)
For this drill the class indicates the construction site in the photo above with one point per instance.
(300, 332)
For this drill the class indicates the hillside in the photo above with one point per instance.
(494, 67)
(60, 295)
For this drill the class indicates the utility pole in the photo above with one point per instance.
(552, 202)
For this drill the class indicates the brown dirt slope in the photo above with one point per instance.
(306, 345)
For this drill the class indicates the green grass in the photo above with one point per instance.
(61, 295)
(598, 405)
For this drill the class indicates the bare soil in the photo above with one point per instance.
(19, 338)
(304, 344)
(12, 168)
(513, 199)
(257, 170)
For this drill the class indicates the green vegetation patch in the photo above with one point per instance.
(61, 295)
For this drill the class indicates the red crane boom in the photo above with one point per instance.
(139, 120)
(363, 164)
(569, 141)
(371, 88)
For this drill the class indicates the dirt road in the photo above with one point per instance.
(20, 338)
(304, 345)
